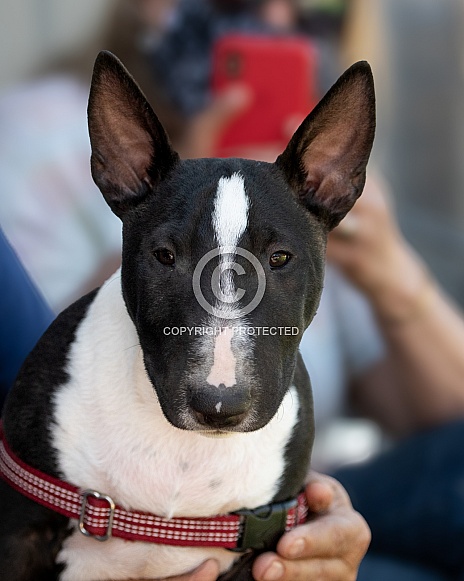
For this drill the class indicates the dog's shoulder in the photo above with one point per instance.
(299, 446)
(30, 534)
(28, 408)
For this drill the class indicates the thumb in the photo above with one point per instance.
(207, 127)
(319, 493)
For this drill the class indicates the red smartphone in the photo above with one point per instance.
(281, 73)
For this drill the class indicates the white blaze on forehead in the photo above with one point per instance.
(230, 216)
(230, 219)
(223, 369)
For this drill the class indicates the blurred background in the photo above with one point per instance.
(48, 47)
(34, 32)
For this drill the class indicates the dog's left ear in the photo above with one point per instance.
(130, 149)
(325, 161)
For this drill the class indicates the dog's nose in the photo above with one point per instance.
(220, 407)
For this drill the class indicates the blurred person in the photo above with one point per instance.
(413, 390)
(182, 61)
(49, 206)
(386, 342)
(416, 48)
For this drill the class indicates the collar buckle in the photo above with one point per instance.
(262, 527)
(82, 517)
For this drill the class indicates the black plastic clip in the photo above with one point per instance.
(262, 527)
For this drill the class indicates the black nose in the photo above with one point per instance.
(220, 407)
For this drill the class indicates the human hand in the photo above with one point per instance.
(205, 129)
(370, 250)
(330, 547)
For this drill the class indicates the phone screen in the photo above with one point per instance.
(280, 73)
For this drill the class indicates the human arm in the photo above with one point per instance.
(24, 316)
(419, 382)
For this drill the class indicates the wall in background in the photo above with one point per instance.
(33, 31)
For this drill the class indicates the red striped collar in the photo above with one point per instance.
(100, 517)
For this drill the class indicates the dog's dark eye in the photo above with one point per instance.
(279, 259)
(165, 256)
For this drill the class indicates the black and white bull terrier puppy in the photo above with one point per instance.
(162, 392)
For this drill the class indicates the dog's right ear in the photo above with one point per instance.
(131, 152)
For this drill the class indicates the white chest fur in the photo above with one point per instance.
(111, 436)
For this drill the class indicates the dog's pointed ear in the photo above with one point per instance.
(325, 161)
(130, 149)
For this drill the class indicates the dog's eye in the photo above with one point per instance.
(279, 259)
(165, 256)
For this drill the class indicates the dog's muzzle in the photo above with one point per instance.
(220, 407)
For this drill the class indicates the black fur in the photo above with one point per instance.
(28, 411)
(296, 468)
(30, 534)
(164, 297)
(30, 539)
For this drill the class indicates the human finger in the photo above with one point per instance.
(271, 568)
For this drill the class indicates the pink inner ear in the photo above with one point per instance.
(124, 144)
(341, 135)
(333, 146)
(130, 149)
(332, 187)
(132, 158)
(330, 158)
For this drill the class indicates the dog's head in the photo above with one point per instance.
(223, 259)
